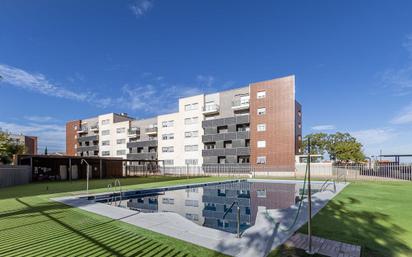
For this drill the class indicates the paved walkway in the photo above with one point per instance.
(324, 246)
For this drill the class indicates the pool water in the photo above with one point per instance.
(206, 205)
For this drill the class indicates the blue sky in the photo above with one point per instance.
(75, 59)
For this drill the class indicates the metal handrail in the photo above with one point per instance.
(117, 183)
(326, 184)
(237, 216)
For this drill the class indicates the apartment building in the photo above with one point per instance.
(259, 124)
(29, 142)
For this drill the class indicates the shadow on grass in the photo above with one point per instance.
(342, 220)
(64, 235)
(54, 187)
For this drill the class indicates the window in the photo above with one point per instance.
(222, 129)
(261, 127)
(75, 127)
(191, 161)
(227, 144)
(168, 149)
(168, 136)
(121, 152)
(120, 130)
(168, 123)
(168, 200)
(105, 122)
(194, 203)
(261, 111)
(243, 159)
(106, 142)
(105, 153)
(261, 94)
(191, 107)
(261, 160)
(121, 141)
(242, 127)
(210, 145)
(221, 159)
(190, 134)
(261, 144)
(168, 162)
(191, 148)
(190, 121)
(75, 146)
(261, 193)
(105, 132)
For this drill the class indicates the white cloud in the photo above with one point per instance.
(404, 117)
(38, 83)
(377, 136)
(36, 118)
(141, 7)
(323, 127)
(153, 95)
(50, 135)
(401, 79)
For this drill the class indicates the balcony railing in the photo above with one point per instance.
(94, 128)
(240, 104)
(82, 129)
(211, 109)
(151, 130)
(134, 132)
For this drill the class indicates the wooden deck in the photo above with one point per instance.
(324, 246)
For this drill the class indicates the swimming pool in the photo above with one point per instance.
(212, 205)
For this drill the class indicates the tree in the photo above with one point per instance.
(339, 146)
(317, 143)
(8, 148)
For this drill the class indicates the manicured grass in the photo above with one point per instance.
(33, 225)
(376, 216)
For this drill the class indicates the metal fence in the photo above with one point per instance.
(322, 171)
(376, 172)
(14, 175)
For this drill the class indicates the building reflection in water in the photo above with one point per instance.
(207, 205)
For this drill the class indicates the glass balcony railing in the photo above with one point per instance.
(240, 103)
(151, 130)
(211, 108)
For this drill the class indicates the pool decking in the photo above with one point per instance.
(256, 241)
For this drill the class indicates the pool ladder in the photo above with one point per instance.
(237, 217)
(113, 190)
(326, 184)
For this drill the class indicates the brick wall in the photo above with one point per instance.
(71, 137)
(280, 122)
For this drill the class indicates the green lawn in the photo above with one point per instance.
(377, 216)
(32, 225)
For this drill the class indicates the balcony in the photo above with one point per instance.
(210, 109)
(145, 143)
(142, 156)
(94, 128)
(88, 148)
(240, 104)
(133, 132)
(88, 138)
(82, 129)
(151, 131)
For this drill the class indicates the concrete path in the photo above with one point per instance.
(272, 227)
(324, 246)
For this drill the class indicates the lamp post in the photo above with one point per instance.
(310, 250)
